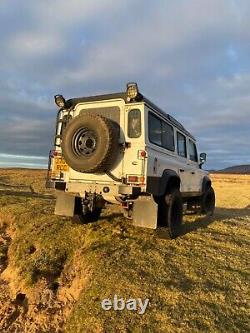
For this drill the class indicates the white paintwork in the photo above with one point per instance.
(158, 159)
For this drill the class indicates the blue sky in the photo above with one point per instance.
(190, 57)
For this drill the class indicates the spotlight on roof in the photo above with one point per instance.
(132, 91)
(60, 101)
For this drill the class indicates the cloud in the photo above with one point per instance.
(189, 57)
(23, 161)
(30, 45)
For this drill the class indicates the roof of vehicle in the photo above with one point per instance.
(122, 95)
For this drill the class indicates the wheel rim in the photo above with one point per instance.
(84, 142)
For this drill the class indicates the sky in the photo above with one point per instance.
(190, 57)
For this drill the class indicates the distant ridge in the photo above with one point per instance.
(242, 169)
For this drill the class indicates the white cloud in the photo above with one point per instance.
(35, 44)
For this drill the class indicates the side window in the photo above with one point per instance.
(134, 123)
(192, 151)
(167, 136)
(160, 133)
(154, 129)
(181, 145)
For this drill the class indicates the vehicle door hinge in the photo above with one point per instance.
(125, 145)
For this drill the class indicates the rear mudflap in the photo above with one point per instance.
(65, 204)
(145, 211)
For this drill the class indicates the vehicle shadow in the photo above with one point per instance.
(220, 214)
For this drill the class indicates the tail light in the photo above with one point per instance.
(55, 153)
(135, 179)
(142, 154)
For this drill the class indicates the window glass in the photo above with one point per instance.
(192, 151)
(134, 123)
(181, 145)
(154, 127)
(167, 136)
(160, 133)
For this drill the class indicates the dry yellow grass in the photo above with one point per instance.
(196, 283)
(232, 191)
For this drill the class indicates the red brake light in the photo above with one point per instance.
(142, 154)
(135, 179)
(54, 153)
(132, 179)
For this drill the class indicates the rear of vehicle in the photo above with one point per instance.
(121, 148)
(99, 154)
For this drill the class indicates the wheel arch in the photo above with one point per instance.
(158, 186)
(206, 183)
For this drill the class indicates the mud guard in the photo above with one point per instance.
(145, 211)
(65, 204)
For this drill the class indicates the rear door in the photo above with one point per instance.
(114, 110)
(133, 163)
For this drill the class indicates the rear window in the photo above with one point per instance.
(134, 123)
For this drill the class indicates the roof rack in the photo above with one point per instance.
(122, 95)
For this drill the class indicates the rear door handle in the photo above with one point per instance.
(182, 170)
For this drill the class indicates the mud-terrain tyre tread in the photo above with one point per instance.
(174, 212)
(208, 201)
(108, 134)
(165, 213)
(166, 217)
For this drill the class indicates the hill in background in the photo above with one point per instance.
(241, 169)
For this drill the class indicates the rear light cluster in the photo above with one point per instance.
(134, 179)
(142, 154)
(55, 153)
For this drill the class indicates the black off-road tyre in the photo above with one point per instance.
(90, 143)
(174, 212)
(170, 212)
(208, 201)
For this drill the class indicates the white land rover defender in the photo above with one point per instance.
(121, 148)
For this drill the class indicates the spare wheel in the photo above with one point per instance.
(90, 142)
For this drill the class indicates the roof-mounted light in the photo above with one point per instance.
(60, 101)
(132, 91)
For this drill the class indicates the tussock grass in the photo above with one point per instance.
(196, 283)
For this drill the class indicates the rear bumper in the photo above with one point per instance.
(104, 189)
(56, 185)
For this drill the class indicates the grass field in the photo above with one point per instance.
(55, 272)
